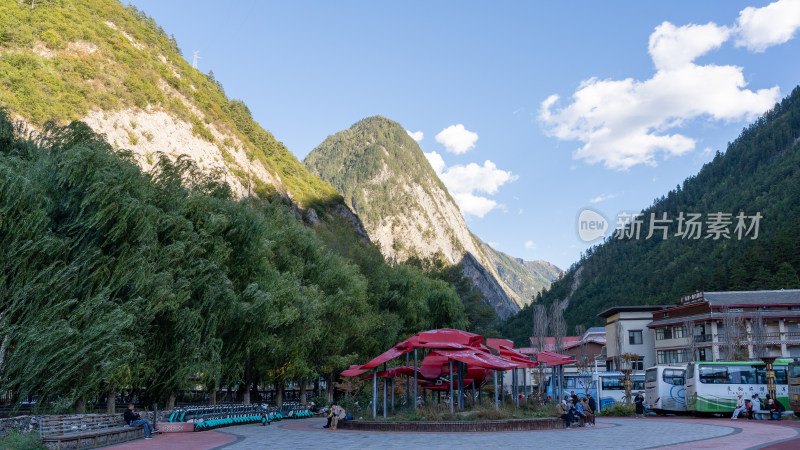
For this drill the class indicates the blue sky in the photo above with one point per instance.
(647, 92)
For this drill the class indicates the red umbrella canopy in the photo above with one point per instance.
(553, 359)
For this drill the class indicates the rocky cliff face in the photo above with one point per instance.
(386, 179)
(525, 278)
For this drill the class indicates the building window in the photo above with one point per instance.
(702, 355)
(635, 337)
(678, 332)
(663, 333)
(671, 356)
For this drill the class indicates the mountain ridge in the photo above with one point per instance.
(385, 178)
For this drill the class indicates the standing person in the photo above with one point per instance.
(639, 401)
(592, 403)
(573, 397)
(134, 419)
(739, 407)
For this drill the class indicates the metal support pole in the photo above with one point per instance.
(451, 386)
(496, 406)
(385, 382)
(392, 395)
(408, 385)
(415, 378)
(525, 384)
(375, 393)
(516, 388)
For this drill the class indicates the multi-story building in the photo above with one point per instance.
(627, 333)
(769, 319)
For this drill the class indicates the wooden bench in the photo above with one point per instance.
(86, 431)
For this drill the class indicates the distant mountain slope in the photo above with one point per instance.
(758, 174)
(525, 278)
(407, 212)
(116, 69)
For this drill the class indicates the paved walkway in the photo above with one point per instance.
(617, 433)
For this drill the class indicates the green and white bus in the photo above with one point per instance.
(712, 387)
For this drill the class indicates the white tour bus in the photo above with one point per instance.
(665, 390)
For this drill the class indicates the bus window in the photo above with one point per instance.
(713, 374)
(569, 383)
(613, 383)
(674, 377)
(742, 375)
(637, 383)
(652, 375)
(690, 371)
(780, 376)
(794, 370)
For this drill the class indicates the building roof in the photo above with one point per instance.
(719, 316)
(595, 330)
(759, 298)
(632, 308)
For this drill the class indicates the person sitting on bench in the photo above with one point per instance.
(133, 419)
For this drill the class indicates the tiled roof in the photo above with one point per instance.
(744, 298)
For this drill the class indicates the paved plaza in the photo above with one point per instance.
(617, 433)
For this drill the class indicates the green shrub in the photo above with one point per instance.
(21, 441)
(618, 410)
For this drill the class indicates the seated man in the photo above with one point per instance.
(338, 414)
(740, 407)
(133, 419)
(587, 411)
(561, 413)
(330, 415)
(580, 412)
(776, 410)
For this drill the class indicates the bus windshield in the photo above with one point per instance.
(651, 375)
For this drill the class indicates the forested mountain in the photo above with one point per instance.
(758, 174)
(116, 69)
(407, 212)
(525, 278)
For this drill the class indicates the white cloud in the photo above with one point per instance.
(760, 28)
(602, 198)
(673, 47)
(622, 123)
(530, 245)
(473, 205)
(436, 161)
(457, 139)
(415, 135)
(463, 182)
(472, 177)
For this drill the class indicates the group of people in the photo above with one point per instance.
(752, 407)
(573, 409)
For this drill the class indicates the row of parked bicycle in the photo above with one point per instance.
(216, 416)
